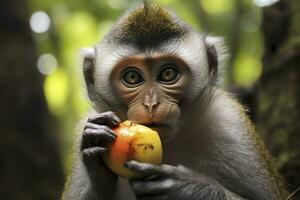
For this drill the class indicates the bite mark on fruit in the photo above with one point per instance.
(131, 150)
(145, 146)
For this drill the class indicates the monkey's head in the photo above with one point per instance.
(152, 68)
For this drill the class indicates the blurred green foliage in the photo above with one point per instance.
(82, 23)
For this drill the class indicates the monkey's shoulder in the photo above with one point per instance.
(228, 110)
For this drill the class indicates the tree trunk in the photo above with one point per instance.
(30, 163)
(278, 92)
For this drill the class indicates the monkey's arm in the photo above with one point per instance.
(78, 186)
(238, 158)
(90, 179)
(176, 182)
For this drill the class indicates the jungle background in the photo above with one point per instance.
(43, 96)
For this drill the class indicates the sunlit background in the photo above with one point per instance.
(62, 27)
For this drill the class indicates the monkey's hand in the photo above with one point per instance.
(169, 182)
(97, 135)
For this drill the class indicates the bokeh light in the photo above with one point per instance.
(117, 4)
(263, 3)
(47, 64)
(39, 22)
(217, 6)
(247, 70)
(56, 91)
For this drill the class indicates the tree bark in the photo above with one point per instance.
(278, 91)
(30, 163)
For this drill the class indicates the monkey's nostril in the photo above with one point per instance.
(151, 102)
(150, 105)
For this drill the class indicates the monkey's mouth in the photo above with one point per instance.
(157, 125)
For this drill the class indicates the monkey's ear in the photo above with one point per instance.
(216, 56)
(89, 55)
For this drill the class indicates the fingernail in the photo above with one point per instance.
(115, 121)
(111, 139)
(114, 137)
(113, 134)
(104, 150)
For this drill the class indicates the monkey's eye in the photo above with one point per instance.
(132, 78)
(168, 75)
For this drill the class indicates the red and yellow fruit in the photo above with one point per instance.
(133, 142)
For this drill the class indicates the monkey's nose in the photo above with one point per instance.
(151, 102)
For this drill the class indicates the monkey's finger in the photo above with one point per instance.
(108, 118)
(151, 169)
(97, 137)
(102, 133)
(159, 186)
(91, 125)
(88, 153)
(144, 168)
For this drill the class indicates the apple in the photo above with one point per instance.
(133, 142)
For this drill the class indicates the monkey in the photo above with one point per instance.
(154, 69)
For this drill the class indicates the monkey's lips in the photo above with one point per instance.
(157, 125)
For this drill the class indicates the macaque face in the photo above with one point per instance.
(152, 89)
